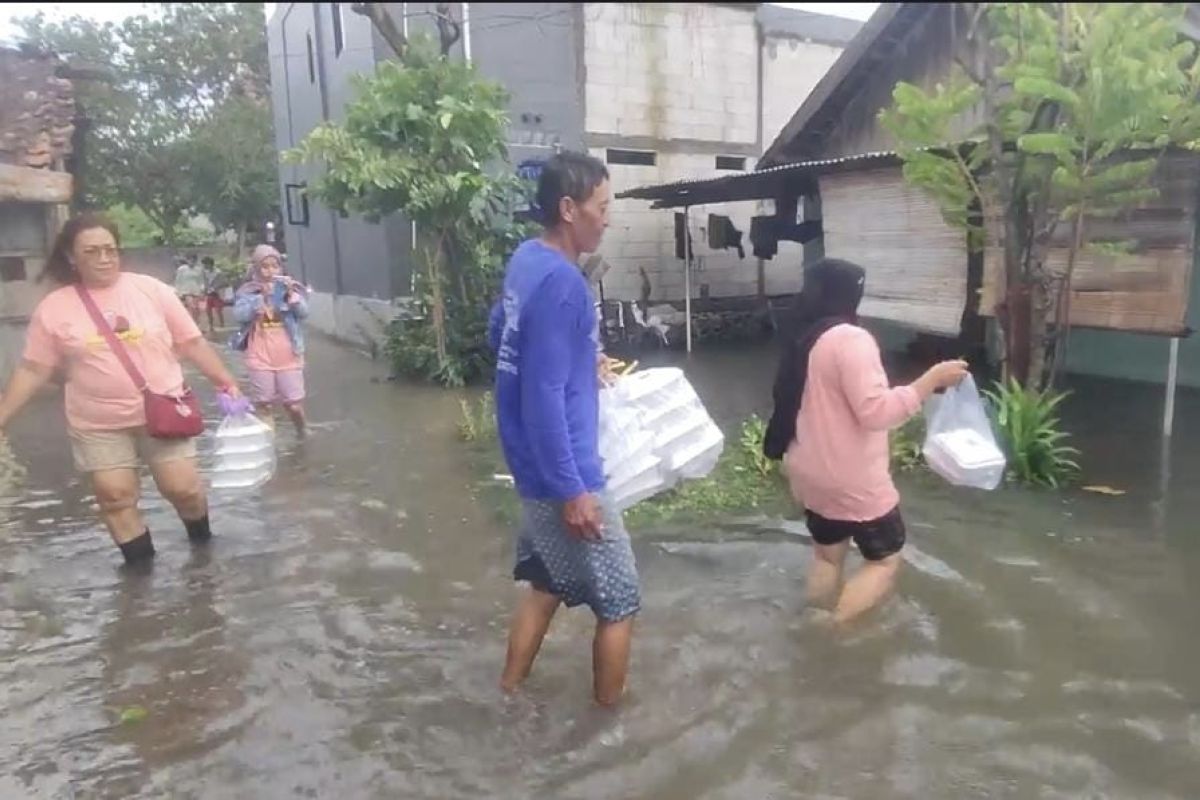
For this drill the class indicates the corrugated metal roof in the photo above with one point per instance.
(758, 185)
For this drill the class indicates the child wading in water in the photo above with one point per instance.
(270, 309)
(833, 411)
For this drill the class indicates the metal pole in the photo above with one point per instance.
(1172, 379)
(687, 273)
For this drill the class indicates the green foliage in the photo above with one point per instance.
(417, 139)
(181, 76)
(1032, 435)
(235, 175)
(743, 481)
(1084, 99)
(478, 423)
(425, 137)
(906, 443)
(750, 442)
(137, 230)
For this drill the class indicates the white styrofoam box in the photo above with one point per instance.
(624, 470)
(243, 454)
(694, 453)
(965, 458)
(661, 407)
(250, 477)
(680, 424)
(637, 489)
(233, 462)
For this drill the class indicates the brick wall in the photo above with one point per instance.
(681, 80)
(686, 71)
(643, 238)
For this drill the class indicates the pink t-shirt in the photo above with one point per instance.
(149, 320)
(838, 466)
(270, 348)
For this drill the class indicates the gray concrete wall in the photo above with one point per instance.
(336, 255)
(534, 50)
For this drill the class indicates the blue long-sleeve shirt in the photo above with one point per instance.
(547, 389)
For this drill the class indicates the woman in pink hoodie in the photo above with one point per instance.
(833, 410)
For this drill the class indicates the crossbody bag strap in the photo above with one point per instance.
(114, 343)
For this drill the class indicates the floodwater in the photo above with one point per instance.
(342, 636)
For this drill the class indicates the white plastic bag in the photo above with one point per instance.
(959, 443)
(244, 453)
(654, 432)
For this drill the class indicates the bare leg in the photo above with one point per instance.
(610, 660)
(179, 481)
(529, 625)
(825, 573)
(117, 493)
(867, 588)
(296, 412)
(212, 328)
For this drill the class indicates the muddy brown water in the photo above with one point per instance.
(342, 636)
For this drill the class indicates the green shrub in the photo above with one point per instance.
(1032, 436)
(906, 444)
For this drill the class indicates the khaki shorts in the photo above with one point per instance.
(125, 449)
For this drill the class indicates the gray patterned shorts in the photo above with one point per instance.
(601, 574)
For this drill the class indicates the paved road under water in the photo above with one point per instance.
(342, 636)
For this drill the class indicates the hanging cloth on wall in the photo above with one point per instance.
(682, 237)
(763, 237)
(722, 235)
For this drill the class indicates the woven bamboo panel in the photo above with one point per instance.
(916, 264)
(1144, 291)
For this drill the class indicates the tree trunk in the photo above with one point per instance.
(1063, 306)
(1040, 303)
(383, 22)
(1013, 314)
(241, 242)
(437, 297)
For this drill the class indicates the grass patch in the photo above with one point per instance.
(478, 422)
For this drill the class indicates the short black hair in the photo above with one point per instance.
(567, 174)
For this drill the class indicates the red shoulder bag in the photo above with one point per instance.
(167, 416)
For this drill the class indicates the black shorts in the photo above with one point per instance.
(876, 539)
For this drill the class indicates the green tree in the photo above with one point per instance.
(171, 71)
(235, 179)
(419, 138)
(1078, 103)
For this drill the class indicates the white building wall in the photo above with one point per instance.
(791, 68)
(641, 238)
(682, 81)
(685, 71)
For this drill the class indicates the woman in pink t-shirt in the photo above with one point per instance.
(271, 308)
(105, 409)
(833, 410)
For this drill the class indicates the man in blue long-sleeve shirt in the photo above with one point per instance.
(572, 546)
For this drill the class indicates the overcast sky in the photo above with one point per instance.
(118, 11)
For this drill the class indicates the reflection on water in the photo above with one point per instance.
(342, 636)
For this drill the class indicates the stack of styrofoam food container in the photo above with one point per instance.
(654, 433)
(244, 454)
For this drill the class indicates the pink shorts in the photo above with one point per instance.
(283, 386)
